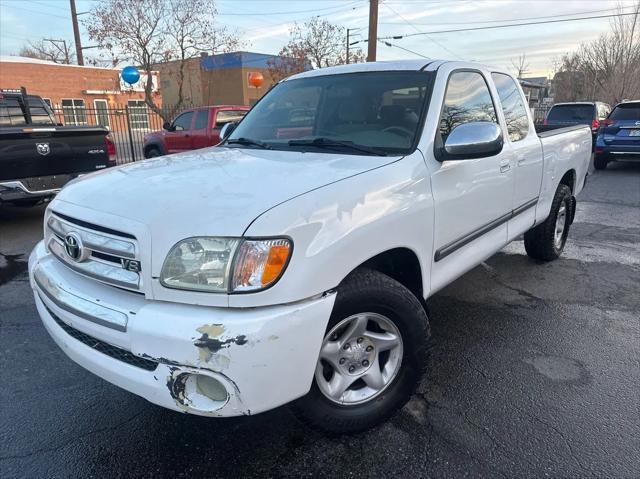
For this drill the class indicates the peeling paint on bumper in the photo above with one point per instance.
(264, 357)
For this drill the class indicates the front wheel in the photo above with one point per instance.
(546, 241)
(371, 358)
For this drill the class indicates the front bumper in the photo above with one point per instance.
(33, 188)
(259, 358)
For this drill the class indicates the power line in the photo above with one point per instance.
(389, 44)
(417, 30)
(292, 13)
(480, 22)
(397, 37)
(36, 11)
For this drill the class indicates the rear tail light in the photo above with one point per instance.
(111, 150)
(607, 122)
(595, 124)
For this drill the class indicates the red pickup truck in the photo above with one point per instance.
(192, 129)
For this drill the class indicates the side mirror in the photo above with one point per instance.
(472, 140)
(167, 126)
(227, 129)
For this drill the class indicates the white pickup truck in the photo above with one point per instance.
(292, 262)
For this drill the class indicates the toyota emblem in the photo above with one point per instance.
(73, 246)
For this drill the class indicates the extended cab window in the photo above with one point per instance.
(515, 113)
(360, 113)
(467, 100)
(202, 117)
(183, 122)
(225, 116)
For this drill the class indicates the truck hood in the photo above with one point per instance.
(213, 191)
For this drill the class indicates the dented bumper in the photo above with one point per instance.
(202, 360)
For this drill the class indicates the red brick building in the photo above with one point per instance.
(79, 94)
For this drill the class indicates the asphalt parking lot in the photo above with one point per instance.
(535, 372)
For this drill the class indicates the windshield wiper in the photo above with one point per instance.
(323, 142)
(248, 142)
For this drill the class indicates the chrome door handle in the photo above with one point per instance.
(521, 160)
(504, 168)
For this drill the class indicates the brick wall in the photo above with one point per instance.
(66, 81)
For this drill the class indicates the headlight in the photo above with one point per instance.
(225, 265)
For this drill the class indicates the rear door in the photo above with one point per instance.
(522, 141)
(179, 139)
(200, 133)
(472, 198)
(622, 131)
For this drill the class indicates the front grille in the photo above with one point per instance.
(104, 348)
(101, 252)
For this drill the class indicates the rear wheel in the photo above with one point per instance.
(600, 163)
(546, 241)
(153, 152)
(371, 358)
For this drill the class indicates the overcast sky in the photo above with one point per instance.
(264, 25)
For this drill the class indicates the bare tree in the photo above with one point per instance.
(53, 50)
(520, 65)
(150, 32)
(606, 69)
(317, 43)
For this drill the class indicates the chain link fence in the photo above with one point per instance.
(127, 124)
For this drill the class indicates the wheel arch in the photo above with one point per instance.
(569, 179)
(154, 145)
(401, 264)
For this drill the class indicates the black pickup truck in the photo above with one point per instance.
(39, 156)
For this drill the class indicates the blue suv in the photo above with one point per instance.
(619, 135)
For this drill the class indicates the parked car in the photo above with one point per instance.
(590, 113)
(38, 156)
(619, 137)
(192, 129)
(292, 262)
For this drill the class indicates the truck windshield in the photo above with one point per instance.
(572, 113)
(360, 113)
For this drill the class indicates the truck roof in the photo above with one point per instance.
(426, 64)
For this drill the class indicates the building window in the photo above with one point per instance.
(74, 111)
(102, 113)
(138, 115)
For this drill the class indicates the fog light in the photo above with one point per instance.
(198, 392)
(210, 387)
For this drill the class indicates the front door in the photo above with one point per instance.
(525, 146)
(472, 197)
(179, 138)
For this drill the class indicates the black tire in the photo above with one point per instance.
(153, 152)
(373, 292)
(600, 163)
(539, 242)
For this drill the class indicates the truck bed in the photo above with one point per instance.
(63, 150)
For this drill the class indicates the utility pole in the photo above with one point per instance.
(348, 29)
(373, 30)
(76, 32)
